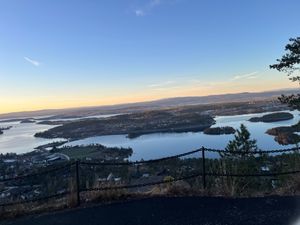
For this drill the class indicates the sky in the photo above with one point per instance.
(70, 53)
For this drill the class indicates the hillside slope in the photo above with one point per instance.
(156, 104)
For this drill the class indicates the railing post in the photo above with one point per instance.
(77, 184)
(203, 168)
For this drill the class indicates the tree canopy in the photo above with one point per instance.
(290, 64)
(290, 61)
(241, 143)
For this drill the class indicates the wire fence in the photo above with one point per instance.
(77, 172)
(277, 151)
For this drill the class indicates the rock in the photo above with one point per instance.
(279, 130)
(287, 138)
(285, 135)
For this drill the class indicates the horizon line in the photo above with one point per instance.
(137, 102)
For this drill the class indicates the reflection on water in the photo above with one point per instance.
(21, 138)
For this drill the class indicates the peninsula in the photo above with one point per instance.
(286, 135)
(133, 125)
(4, 128)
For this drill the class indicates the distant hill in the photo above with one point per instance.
(156, 104)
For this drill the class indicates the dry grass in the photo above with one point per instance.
(179, 188)
(291, 186)
(17, 210)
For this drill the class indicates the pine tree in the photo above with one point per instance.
(239, 158)
(290, 64)
(242, 145)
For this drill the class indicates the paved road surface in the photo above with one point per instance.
(176, 211)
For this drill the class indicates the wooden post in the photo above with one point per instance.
(137, 170)
(203, 168)
(77, 184)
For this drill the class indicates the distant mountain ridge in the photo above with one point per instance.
(156, 104)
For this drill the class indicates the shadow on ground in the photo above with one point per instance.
(177, 211)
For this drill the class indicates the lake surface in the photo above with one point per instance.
(159, 145)
(20, 138)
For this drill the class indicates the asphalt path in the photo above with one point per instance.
(176, 211)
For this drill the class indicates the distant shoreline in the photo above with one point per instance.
(154, 104)
(173, 120)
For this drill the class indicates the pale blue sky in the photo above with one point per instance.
(62, 53)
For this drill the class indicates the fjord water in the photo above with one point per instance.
(153, 146)
(20, 138)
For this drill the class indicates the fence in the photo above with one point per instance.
(74, 171)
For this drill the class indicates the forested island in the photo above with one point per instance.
(133, 125)
(286, 135)
(189, 118)
(94, 152)
(27, 121)
(273, 117)
(219, 130)
(51, 145)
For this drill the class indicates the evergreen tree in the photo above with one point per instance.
(240, 158)
(242, 145)
(290, 64)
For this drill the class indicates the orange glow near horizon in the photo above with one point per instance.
(100, 53)
(19, 104)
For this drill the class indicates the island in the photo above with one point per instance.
(27, 121)
(219, 130)
(51, 145)
(95, 152)
(286, 135)
(133, 125)
(50, 122)
(4, 128)
(273, 117)
(287, 138)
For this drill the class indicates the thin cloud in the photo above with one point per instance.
(139, 12)
(148, 7)
(167, 88)
(162, 84)
(154, 3)
(33, 62)
(252, 77)
(246, 76)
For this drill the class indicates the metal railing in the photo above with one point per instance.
(76, 167)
